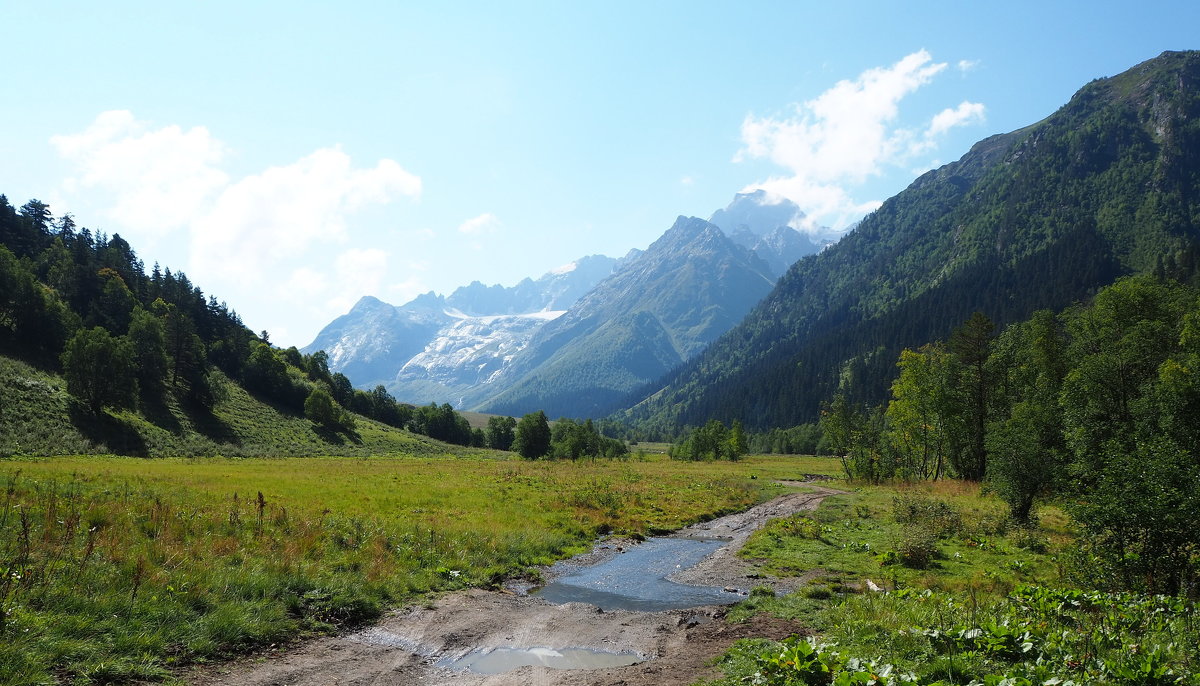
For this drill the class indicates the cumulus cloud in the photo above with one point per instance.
(845, 135)
(158, 178)
(262, 236)
(484, 223)
(965, 113)
(326, 290)
(279, 213)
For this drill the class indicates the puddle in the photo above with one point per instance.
(636, 579)
(500, 660)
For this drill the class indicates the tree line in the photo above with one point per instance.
(1097, 406)
(82, 303)
(534, 438)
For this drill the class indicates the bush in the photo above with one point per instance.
(917, 549)
(935, 516)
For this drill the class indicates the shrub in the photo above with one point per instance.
(917, 549)
(935, 516)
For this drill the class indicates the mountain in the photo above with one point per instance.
(766, 225)
(459, 348)
(366, 342)
(436, 348)
(662, 308)
(1037, 218)
(558, 289)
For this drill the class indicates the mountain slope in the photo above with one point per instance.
(1036, 218)
(435, 348)
(687, 288)
(366, 342)
(40, 418)
(766, 225)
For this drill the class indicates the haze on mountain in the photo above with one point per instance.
(578, 339)
(1037, 218)
(434, 347)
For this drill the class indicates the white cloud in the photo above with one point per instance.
(687, 181)
(967, 65)
(281, 212)
(304, 285)
(844, 136)
(322, 294)
(359, 271)
(965, 113)
(404, 291)
(158, 178)
(256, 240)
(484, 223)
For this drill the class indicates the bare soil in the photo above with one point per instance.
(412, 645)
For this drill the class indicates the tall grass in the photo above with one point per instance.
(118, 569)
(944, 536)
(39, 418)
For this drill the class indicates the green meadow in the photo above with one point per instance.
(118, 569)
(961, 596)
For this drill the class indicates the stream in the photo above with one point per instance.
(636, 579)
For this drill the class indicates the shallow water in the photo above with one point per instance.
(500, 660)
(636, 579)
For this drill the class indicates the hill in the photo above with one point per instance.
(1037, 218)
(40, 418)
(96, 355)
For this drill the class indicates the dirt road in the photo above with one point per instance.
(413, 645)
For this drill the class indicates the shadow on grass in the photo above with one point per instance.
(213, 427)
(337, 436)
(114, 435)
(156, 411)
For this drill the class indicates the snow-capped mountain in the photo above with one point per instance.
(575, 340)
(769, 226)
(433, 347)
(690, 286)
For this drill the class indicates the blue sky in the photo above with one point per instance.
(292, 156)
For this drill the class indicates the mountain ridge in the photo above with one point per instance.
(1035, 218)
(688, 287)
(456, 348)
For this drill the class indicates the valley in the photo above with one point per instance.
(991, 381)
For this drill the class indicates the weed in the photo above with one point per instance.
(1034, 635)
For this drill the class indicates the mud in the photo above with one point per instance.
(435, 643)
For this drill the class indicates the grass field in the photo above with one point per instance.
(118, 569)
(951, 537)
(965, 598)
(38, 418)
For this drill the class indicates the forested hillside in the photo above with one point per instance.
(99, 356)
(1038, 218)
(1093, 407)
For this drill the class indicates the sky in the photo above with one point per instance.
(292, 157)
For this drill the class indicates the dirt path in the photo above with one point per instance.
(410, 646)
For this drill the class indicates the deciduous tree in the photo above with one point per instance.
(99, 369)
